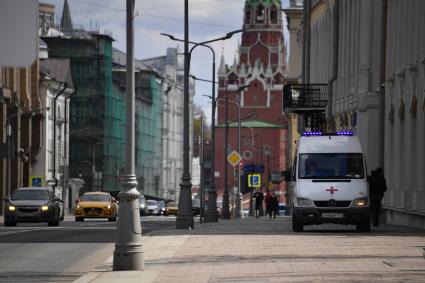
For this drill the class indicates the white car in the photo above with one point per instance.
(153, 208)
(329, 181)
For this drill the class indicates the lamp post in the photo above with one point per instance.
(128, 253)
(225, 214)
(211, 214)
(185, 214)
(239, 203)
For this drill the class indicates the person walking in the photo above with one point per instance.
(267, 200)
(377, 189)
(259, 197)
(274, 206)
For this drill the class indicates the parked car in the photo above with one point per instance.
(32, 204)
(282, 208)
(143, 208)
(96, 205)
(162, 207)
(153, 208)
(196, 206)
(171, 209)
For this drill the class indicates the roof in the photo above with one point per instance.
(97, 193)
(266, 3)
(254, 124)
(58, 69)
(34, 188)
(120, 58)
(329, 144)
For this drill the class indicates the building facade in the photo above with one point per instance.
(371, 53)
(261, 65)
(52, 160)
(171, 67)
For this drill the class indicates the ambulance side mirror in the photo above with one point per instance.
(287, 175)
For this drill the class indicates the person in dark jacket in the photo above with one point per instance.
(274, 206)
(259, 197)
(377, 189)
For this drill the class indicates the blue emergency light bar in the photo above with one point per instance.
(312, 134)
(339, 133)
(344, 133)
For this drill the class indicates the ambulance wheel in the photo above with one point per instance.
(297, 225)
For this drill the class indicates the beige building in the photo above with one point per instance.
(372, 55)
(294, 17)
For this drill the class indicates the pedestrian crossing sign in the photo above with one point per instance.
(254, 180)
(37, 181)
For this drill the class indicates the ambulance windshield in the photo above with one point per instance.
(331, 166)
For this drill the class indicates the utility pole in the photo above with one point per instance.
(128, 253)
(201, 175)
(225, 213)
(185, 215)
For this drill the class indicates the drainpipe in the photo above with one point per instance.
(66, 142)
(382, 67)
(335, 36)
(54, 135)
(308, 41)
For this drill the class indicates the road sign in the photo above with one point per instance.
(37, 181)
(234, 158)
(241, 164)
(254, 180)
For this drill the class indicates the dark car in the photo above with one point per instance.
(162, 207)
(32, 205)
(196, 206)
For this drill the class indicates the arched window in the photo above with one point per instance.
(273, 15)
(248, 16)
(260, 14)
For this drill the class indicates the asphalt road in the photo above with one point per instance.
(34, 252)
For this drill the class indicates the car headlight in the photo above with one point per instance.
(109, 206)
(303, 202)
(360, 202)
(78, 206)
(12, 208)
(44, 208)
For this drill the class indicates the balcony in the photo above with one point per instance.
(305, 98)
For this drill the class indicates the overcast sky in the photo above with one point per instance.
(208, 19)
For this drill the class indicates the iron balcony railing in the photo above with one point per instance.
(301, 98)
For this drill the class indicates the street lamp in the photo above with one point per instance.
(225, 214)
(239, 204)
(128, 253)
(185, 214)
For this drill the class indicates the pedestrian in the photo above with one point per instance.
(259, 197)
(274, 206)
(377, 189)
(267, 200)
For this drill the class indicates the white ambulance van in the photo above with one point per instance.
(329, 181)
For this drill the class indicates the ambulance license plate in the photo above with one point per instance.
(332, 215)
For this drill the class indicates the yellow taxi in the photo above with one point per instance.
(171, 209)
(96, 205)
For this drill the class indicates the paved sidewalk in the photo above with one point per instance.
(265, 250)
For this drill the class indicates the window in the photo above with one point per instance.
(331, 166)
(273, 15)
(95, 197)
(260, 14)
(31, 195)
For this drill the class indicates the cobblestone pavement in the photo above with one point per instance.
(266, 250)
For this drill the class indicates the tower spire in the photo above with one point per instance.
(66, 21)
(222, 68)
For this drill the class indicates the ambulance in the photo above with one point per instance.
(329, 181)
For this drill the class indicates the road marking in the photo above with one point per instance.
(15, 232)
